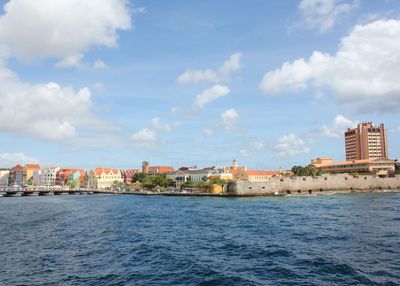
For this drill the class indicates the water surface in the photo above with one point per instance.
(138, 240)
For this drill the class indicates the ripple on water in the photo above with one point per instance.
(127, 240)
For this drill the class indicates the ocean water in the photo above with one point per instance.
(140, 240)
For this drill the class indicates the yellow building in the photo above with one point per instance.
(28, 171)
(103, 178)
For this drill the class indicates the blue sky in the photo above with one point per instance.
(269, 83)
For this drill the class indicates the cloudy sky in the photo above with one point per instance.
(270, 83)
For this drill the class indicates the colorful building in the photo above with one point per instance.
(104, 178)
(128, 175)
(16, 176)
(66, 177)
(29, 169)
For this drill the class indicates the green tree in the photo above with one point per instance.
(138, 177)
(73, 184)
(397, 166)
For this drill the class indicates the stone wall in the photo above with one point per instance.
(307, 185)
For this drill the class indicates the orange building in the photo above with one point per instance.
(366, 141)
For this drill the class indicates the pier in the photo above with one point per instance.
(24, 192)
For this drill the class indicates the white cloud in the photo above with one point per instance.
(210, 95)
(9, 160)
(99, 64)
(62, 29)
(76, 61)
(339, 126)
(290, 146)
(157, 124)
(364, 71)
(227, 119)
(253, 147)
(208, 131)
(71, 61)
(145, 139)
(43, 111)
(210, 75)
(323, 14)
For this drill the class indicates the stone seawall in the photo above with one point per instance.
(313, 185)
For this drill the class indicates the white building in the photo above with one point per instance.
(36, 178)
(48, 176)
(4, 174)
(198, 175)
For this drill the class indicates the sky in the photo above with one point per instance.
(270, 83)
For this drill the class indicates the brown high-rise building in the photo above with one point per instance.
(366, 142)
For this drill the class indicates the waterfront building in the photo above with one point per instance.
(366, 141)
(48, 176)
(16, 176)
(68, 176)
(255, 175)
(4, 175)
(28, 170)
(381, 167)
(154, 170)
(128, 175)
(76, 175)
(186, 174)
(36, 177)
(103, 178)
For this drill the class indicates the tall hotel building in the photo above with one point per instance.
(366, 141)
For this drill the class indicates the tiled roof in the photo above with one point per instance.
(33, 166)
(161, 169)
(99, 170)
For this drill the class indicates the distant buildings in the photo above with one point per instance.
(381, 167)
(103, 178)
(16, 176)
(48, 176)
(255, 175)
(235, 166)
(70, 177)
(366, 141)
(28, 171)
(4, 174)
(154, 170)
(128, 175)
(197, 175)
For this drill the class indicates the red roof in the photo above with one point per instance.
(33, 166)
(160, 169)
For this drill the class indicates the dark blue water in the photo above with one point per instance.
(135, 240)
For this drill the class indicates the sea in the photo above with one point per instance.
(351, 239)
